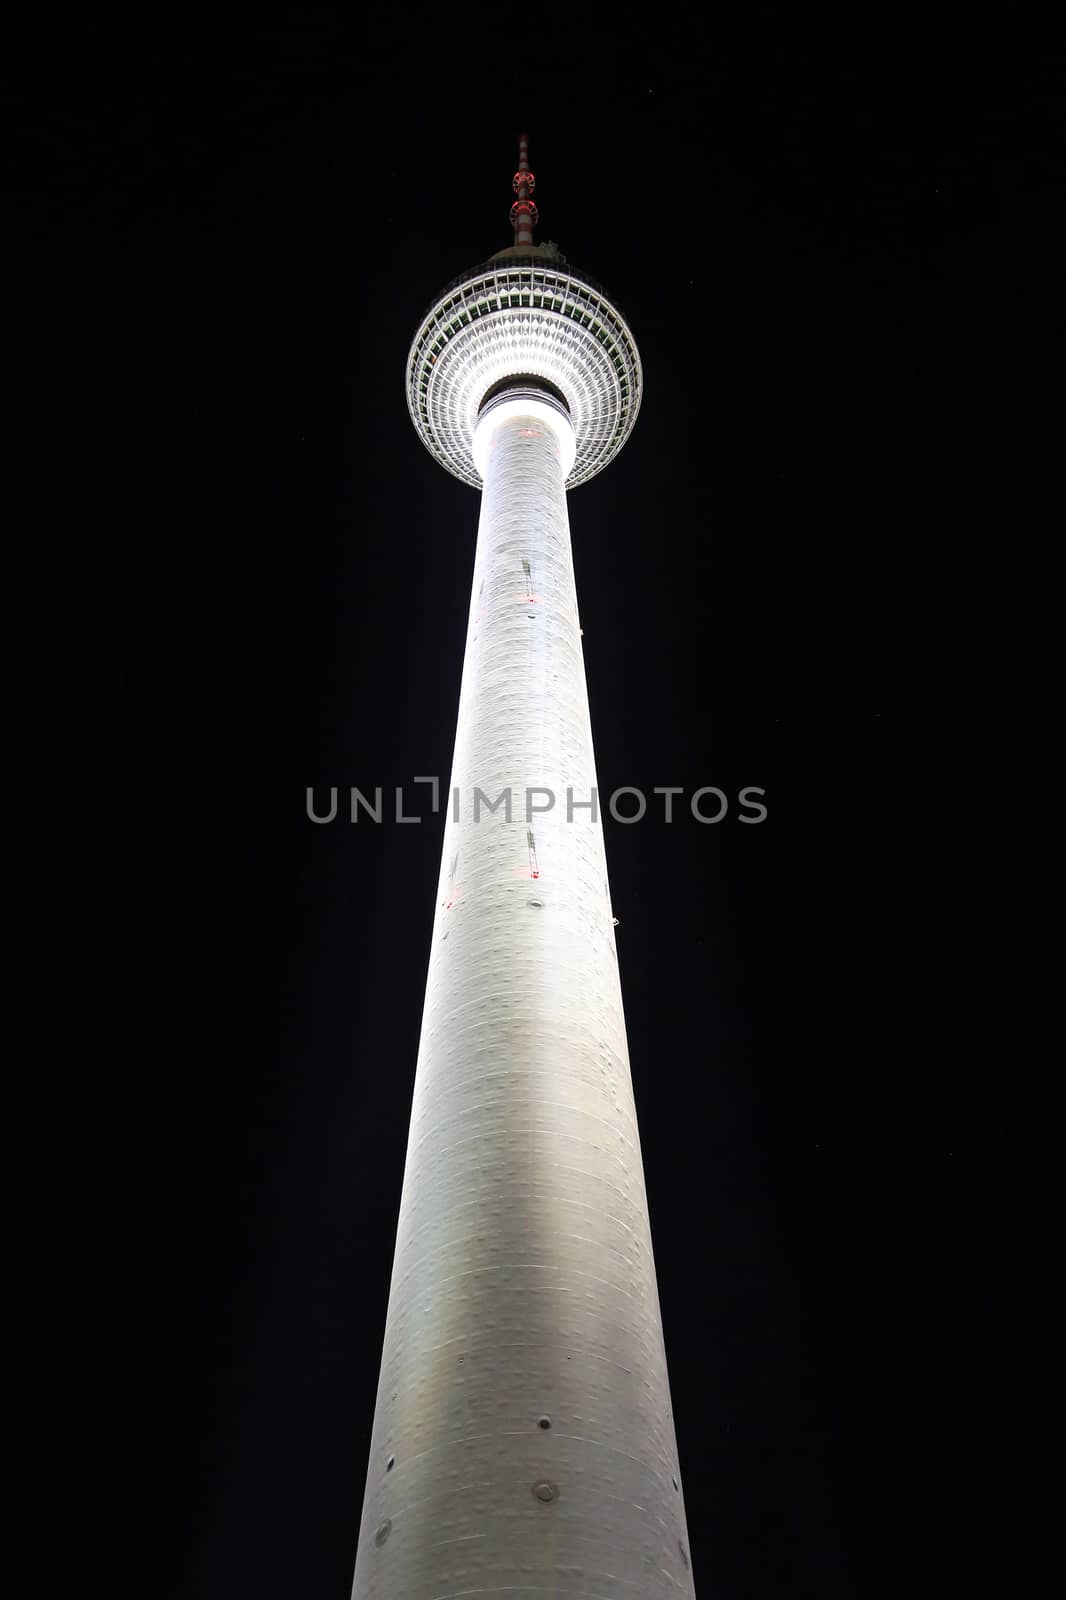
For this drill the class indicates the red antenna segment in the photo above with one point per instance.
(523, 213)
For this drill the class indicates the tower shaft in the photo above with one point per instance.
(523, 1441)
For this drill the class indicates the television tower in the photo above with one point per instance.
(523, 1442)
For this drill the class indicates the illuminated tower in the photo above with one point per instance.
(523, 1440)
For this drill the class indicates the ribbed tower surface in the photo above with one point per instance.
(523, 1443)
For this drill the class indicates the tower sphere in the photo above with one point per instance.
(527, 314)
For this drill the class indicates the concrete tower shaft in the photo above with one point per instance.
(523, 1404)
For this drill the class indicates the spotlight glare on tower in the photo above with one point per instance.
(523, 1441)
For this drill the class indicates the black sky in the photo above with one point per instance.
(816, 568)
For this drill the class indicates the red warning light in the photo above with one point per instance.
(524, 208)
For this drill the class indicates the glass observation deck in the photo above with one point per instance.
(532, 315)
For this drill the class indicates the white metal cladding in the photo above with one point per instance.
(523, 1287)
(508, 319)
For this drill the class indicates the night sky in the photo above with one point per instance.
(813, 568)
